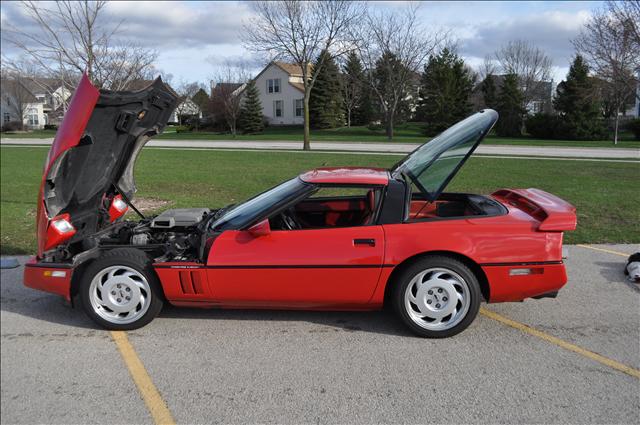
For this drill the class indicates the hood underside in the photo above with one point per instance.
(94, 151)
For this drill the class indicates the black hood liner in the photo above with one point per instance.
(120, 125)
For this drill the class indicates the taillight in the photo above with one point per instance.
(60, 229)
(118, 208)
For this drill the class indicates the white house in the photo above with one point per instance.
(281, 93)
(186, 108)
(38, 99)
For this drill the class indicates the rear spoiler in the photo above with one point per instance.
(553, 213)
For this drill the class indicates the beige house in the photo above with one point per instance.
(281, 93)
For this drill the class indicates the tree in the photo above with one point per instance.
(393, 46)
(16, 95)
(577, 103)
(72, 38)
(325, 102)
(202, 99)
(226, 99)
(489, 91)
(251, 111)
(353, 90)
(609, 42)
(509, 106)
(186, 107)
(529, 64)
(298, 31)
(445, 87)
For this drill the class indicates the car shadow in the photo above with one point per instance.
(379, 322)
(18, 299)
(613, 272)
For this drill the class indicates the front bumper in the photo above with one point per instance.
(48, 277)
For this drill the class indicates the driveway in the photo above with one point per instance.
(573, 359)
(527, 151)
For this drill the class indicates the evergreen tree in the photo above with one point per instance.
(445, 87)
(251, 112)
(509, 106)
(325, 101)
(385, 79)
(489, 92)
(578, 105)
(356, 95)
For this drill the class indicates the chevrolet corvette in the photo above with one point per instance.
(346, 238)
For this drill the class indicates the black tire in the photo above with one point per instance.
(132, 259)
(405, 278)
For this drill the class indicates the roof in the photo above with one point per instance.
(347, 175)
(291, 68)
(221, 88)
(298, 86)
(18, 89)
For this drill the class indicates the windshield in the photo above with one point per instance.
(246, 212)
(433, 165)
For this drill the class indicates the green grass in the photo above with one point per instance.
(605, 193)
(405, 133)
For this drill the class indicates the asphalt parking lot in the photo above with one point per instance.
(318, 367)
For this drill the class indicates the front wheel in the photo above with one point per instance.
(437, 297)
(120, 290)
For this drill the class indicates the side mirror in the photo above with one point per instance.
(261, 228)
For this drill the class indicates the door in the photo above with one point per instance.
(297, 268)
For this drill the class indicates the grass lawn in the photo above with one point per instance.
(605, 193)
(405, 133)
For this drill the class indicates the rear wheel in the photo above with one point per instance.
(437, 297)
(120, 290)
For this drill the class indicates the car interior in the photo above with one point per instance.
(452, 205)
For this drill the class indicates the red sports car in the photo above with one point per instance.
(328, 239)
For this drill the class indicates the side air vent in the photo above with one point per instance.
(191, 282)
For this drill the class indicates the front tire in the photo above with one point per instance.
(120, 290)
(437, 297)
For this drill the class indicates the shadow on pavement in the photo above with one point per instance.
(613, 272)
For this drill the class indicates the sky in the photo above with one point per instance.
(193, 37)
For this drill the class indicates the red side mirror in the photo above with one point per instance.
(260, 229)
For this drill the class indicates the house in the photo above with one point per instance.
(186, 109)
(37, 99)
(281, 93)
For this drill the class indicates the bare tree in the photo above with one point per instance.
(530, 64)
(226, 99)
(298, 31)
(71, 38)
(393, 49)
(608, 41)
(628, 13)
(16, 95)
(186, 106)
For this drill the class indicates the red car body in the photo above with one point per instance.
(516, 253)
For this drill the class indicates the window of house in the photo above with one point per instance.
(273, 85)
(32, 116)
(297, 107)
(277, 108)
(6, 117)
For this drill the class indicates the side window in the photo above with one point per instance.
(277, 108)
(330, 207)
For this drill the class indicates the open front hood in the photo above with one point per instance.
(432, 166)
(92, 157)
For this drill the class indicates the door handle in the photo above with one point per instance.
(369, 242)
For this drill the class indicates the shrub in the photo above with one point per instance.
(543, 126)
(50, 127)
(634, 127)
(184, 129)
(374, 126)
(12, 126)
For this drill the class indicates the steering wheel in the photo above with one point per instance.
(289, 220)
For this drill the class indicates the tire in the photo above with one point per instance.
(120, 290)
(437, 297)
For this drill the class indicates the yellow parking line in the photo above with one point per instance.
(156, 405)
(561, 343)
(604, 250)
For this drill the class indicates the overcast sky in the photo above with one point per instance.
(194, 36)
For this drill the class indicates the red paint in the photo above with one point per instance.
(38, 277)
(347, 175)
(68, 135)
(555, 214)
